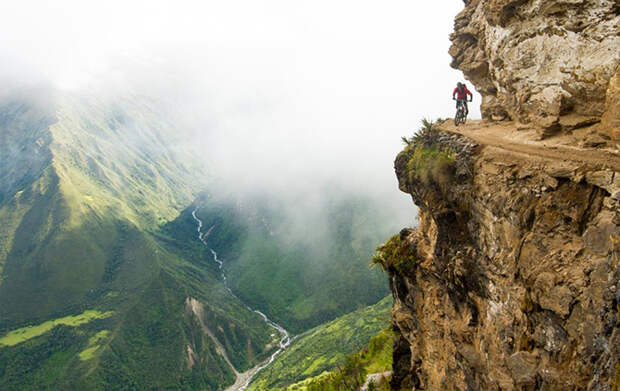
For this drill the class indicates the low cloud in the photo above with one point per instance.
(281, 96)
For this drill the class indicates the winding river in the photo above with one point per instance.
(243, 379)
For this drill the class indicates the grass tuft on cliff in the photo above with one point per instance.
(431, 165)
(396, 253)
(428, 163)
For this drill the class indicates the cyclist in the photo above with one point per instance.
(461, 93)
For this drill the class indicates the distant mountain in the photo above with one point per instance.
(89, 189)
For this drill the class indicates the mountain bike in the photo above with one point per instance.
(460, 116)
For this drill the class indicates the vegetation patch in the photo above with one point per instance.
(431, 164)
(303, 385)
(428, 162)
(351, 374)
(397, 253)
(378, 356)
(325, 348)
(93, 344)
(315, 364)
(88, 353)
(25, 333)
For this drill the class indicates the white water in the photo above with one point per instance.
(285, 341)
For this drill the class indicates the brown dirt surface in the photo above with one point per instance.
(523, 141)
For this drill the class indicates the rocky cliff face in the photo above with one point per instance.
(541, 60)
(511, 280)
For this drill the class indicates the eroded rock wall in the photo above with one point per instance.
(511, 280)
(538, 60)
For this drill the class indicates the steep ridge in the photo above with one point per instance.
(92, 162)
(24, 166)
(511, 280)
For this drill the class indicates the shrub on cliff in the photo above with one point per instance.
(396, 253)
(428, 162)
(431, 165)
(424, 134)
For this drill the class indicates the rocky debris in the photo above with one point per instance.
(594, 141)
(523, 367)
(537, 61)
(572, 121)
(512, 279)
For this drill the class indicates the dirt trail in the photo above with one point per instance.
(512, 138)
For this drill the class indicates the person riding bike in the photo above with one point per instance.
(461, 93)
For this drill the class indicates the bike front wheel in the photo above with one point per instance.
(458, 117)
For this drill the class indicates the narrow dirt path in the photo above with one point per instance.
(512, 138)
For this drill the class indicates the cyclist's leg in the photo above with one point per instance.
(466, 108)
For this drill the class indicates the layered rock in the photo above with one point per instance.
(539, 60)
(511, 280)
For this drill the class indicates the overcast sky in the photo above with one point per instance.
(323, 88)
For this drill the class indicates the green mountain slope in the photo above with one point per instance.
(326, 347)
(302, 265)
(102, 283)
(86, 175)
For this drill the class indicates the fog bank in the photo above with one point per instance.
(284, 96)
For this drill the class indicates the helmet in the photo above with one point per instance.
(459, 84)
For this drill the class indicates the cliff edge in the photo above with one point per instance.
(511, 280)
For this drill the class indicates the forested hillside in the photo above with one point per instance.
(103, 281)
(95, 282)
(303, 263)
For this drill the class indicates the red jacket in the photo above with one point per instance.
(461, 93)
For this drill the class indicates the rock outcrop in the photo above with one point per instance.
(511, 280)
(540, 60)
